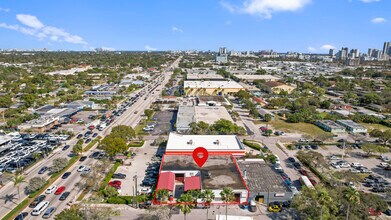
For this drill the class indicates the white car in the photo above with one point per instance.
(336, 166)
(354, 170)
(51, 189)
(81, 168)
(356, 165)
(145, 190)
(345, 165)
(383, 165)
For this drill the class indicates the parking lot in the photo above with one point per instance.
(165, 121)
(138, 167)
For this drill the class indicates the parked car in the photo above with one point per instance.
(65, 147)
(21, 216)
(303, 172)
(66, 175)
(49, 212)
(59, 190)
(64, 196)
(79, 136)
(37, 200)
(297, 165)
(81, 168)
(119, 176)
(51, 189)
(43, 170)
(83, 158)
(291, 159)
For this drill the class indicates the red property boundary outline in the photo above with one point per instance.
(157, 202)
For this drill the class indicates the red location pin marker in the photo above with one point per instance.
(200, 155)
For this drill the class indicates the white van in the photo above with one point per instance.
(40, 208)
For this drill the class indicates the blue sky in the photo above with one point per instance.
(282, 25)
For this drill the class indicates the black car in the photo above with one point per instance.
(314, 147)
(83, 158)
(291, 159)
(297, 165)
(388, 212)
(21, 216)
(79, 136)
(378, 189)
(95, 154)
(94, 135)
(64, 196)
(65, 147)
(66, 175)
(42, 170)
(37, 201)
(88, 140)
(299, 147)
(119, 176)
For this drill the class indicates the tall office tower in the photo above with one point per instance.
(331, 52)
(387, 48)
(354, 53)
(370, 52)
(222, 51)
(344, 53)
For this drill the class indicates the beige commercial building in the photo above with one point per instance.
(277, 87)
(211, 87)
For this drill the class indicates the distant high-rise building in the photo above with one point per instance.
(344, 53)
(387, 48)
(222, 51)
(331, 52)
(370, 52)
(222, 56)
(354, 53)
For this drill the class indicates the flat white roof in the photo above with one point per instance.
(178, 142)
(204, 76)
(255, 77)
(212, 84)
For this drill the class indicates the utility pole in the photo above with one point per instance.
(343, 149)
(135, 186)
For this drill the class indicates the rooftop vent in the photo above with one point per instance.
(217, 142)
(190, 142)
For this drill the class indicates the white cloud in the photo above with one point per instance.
(228, 22)
(327, 47)
(265, 8)
(370, 1)
(34, 27)
(5, 9)
(176, 29)
(149, 48)
(30, 21)
(378, 20)
(311, 49)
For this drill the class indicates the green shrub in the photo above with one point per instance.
(110, 175)
(252, 145)
(120, 200)
(140, 144)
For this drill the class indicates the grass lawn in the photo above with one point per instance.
(304, 128)
(370, 127)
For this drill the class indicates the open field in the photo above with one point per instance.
(371, 127)
(304, 128)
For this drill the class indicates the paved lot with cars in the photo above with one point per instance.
(165, 121)
(139, 167)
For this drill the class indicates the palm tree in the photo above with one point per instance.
(185, 203)
(17, 179)
(163, 194)
(353, 198)
(207, 197)
(323, 199)
(227, 195)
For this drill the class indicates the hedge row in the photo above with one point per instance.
(137, 144)
(109, 175)
(315, 171)
(44, 186)
(120, 200)
(252, 145)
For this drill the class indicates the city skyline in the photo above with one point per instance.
(300, 25)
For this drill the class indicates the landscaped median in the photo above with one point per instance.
(91, 144)
(136, 143)
(31, 197)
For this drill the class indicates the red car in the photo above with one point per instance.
(373, 212)
(303, 172)
(59, 190)
(313, 182)
(115, 183)
(263, 129)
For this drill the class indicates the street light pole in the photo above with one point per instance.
(135, 186)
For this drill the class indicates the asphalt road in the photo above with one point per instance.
(127, 118)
